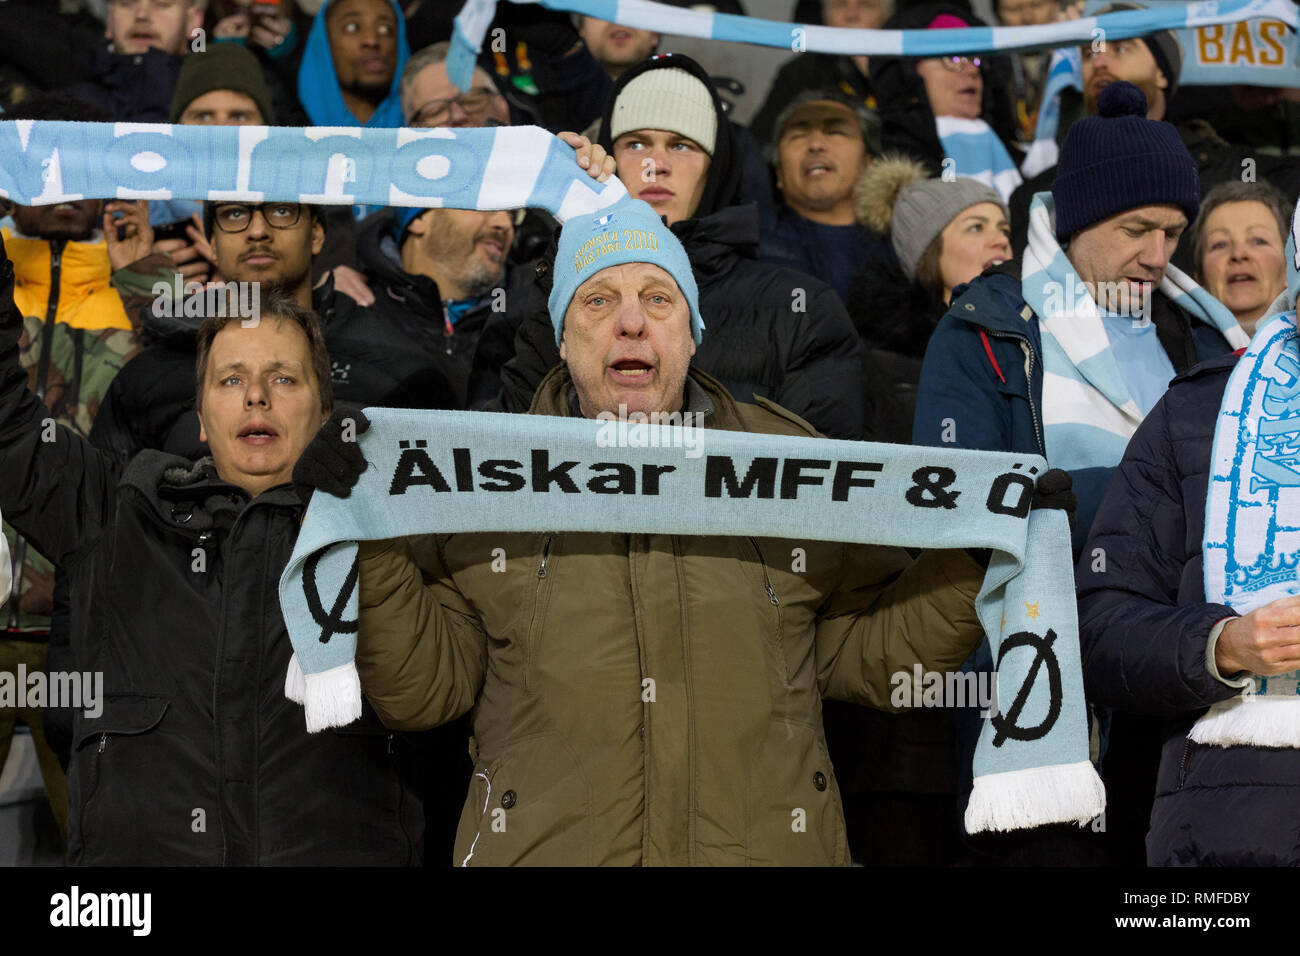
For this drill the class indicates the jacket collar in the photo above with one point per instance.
(705, 396)
(189, 495)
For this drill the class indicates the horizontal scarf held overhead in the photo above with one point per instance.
(445, 472)
(475, 17)
(509, 167)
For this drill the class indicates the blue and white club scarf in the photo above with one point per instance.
(977, 153)
(475, 17)
(1252, 514)
(506, 167)
(451, 472)
(1088, 414)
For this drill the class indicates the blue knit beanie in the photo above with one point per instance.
(1118, 160)
(628, 231)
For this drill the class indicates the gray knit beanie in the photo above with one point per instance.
(895, 196)
(668, 99)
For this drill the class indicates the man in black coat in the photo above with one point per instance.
(773, 331)
(196, 757)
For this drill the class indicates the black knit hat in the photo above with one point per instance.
(1119, 159)
(225, 66)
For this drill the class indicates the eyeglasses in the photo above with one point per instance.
(958, 63)
(235, 217)
(474, 104)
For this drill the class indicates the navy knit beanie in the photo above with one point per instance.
(1118, 160)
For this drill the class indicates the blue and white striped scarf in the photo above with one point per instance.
(1088, 414)
(1251, 545)
(476, 16)
(977, 153)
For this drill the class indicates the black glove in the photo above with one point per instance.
(1054, 490)
(330, 463)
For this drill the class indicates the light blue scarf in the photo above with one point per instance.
(1088, 414)
(508, 167)
(1032, 763)
(472, 23)
(1252, 510)
(977, 153)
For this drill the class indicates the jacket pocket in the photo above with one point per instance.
(97, 750)
(794, 815)
(544, 575)
(530, 806)
(771, 601)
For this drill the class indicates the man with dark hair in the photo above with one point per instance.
(195, 756)
(354, 55)
(824, 142)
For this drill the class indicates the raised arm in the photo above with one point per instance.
(55, 488)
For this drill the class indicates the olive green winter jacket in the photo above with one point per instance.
(651, 699)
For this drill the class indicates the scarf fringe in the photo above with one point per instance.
(295, 684)
(331, 698)
(1258, 721)
(1035, 796)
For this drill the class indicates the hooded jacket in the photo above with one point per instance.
(907, 121)
(575, 762)
(197, 757)
(318, 84)
(770, 331)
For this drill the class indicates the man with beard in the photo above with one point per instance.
(133, 75)
(438, 275)
(1153, 64)
(350, 67)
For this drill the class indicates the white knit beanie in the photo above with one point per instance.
(669, 99)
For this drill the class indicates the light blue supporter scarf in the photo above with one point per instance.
(472, 23)
(1088, 414)
(1251, 546)
(504, 167)
(451, 472)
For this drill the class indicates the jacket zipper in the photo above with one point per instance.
(534, 623)
(767, 582)
(1029, 378)
(42, 374)
(1182, 764)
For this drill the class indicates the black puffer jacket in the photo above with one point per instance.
(197, 757)
(894, 318)
(756, 340)
(1144, 623)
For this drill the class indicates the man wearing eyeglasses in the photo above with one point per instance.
(133, 76)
